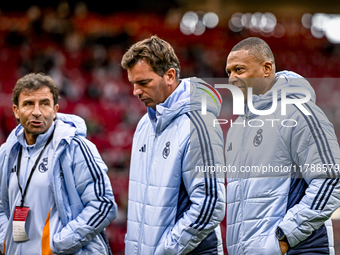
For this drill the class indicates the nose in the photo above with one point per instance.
(137, 90)
(36, 111)
(232, 79)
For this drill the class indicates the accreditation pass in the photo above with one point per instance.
(19, 220)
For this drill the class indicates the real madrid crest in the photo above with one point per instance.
(258, 138)
(166, 150)
(43, 165)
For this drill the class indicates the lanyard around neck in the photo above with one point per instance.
(23, 195)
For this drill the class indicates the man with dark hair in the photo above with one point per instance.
(253, 60)
(173, 208)
(285, 204)
(156, 52)
(257, 48)
(56, 197)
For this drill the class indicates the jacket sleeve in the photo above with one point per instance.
(3, 217)
(3, 226)
(315, 151)
(202, 150)
(95, 194)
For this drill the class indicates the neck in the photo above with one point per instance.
(269, 85)
(174, 87)
(30, 139)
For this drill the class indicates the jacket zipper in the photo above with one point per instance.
(145, 196)
(241, 162)
(27, 169)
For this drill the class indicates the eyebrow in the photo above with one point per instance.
(140, 81)
(230, 67)
(42, 100)
(45, 100)
(235, 65)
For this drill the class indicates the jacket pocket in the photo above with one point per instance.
(96, 246)
(263, 245)
(160, 248)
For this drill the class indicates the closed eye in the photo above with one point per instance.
(143, 82)
(25, 103)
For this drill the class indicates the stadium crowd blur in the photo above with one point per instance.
(82, 51)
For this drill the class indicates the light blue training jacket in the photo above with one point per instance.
(172, 209)
(81, 190)
(293, 188)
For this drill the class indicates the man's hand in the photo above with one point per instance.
(284, 247)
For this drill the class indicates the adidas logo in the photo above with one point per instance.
(143, 148)
(230, 147)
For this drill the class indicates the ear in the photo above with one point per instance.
(267, 68)
(56, 108)
(15, 109)
(170, 76)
